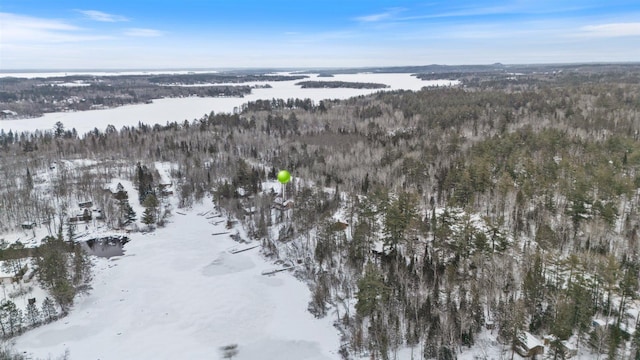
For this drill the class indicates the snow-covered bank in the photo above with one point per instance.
(178, 294)
(162, 111)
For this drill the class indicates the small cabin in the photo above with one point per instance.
(568, 349)
(84, 215)
(528, 346)
(28, 225)
(165, 189)
(85, 204)
(4, 114)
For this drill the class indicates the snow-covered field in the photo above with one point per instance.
(178, 293)
(162, 111)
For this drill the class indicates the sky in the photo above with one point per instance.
(209, 34)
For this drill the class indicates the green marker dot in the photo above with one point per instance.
(284, 176)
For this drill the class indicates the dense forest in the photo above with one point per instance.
(506, 204)
(340, 84)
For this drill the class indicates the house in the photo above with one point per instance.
(339, 226)
(97, 214)
(6, 278)
(83, 215)
(489, 324)
(528, 346)
(165, 189)
(4, 114)
(568, 349)
(599, 323)
(28, 225)
(85, 204)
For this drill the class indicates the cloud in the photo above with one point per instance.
(139, 32)
(612, 30)
(380, 16)
(102, 16)
(26, 29)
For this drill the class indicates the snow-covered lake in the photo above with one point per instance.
(162, 111)
(178, 293)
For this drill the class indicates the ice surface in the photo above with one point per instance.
(177, 294)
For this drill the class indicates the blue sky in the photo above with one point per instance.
(115, 34)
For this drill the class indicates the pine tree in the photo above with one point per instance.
(4, 317)
(51, 261)
(11, 318)
(33, 314)
(15, 320)
(150, 214)
(371, 289)
(49, 312)
(58, 129)
(148, 217)
(29, 181)
(144, 181)
(533, 283)
(81, 268)
(128, 215)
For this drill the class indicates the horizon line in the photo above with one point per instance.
(226, 68)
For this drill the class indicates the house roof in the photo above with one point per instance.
(529, 341)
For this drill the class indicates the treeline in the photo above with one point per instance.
(340, 84)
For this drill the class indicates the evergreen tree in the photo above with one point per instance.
(81, 268)
(148, 217)
(371, 289)
(128, 215)
(399, 217)
(32, 315)
(635, 343)
(52, 269)
(10, 318)
(15, 320)
(4, 318)
(58, 130)
(533, 284)
(29, 181)
(144, 182)
(150, 214)
(49, 311)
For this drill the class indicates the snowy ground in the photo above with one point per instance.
(178, 293)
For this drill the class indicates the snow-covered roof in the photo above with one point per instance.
(529, 341)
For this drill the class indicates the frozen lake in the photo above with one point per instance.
(162, 111)
(178, 293)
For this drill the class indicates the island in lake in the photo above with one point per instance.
(340, 84)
